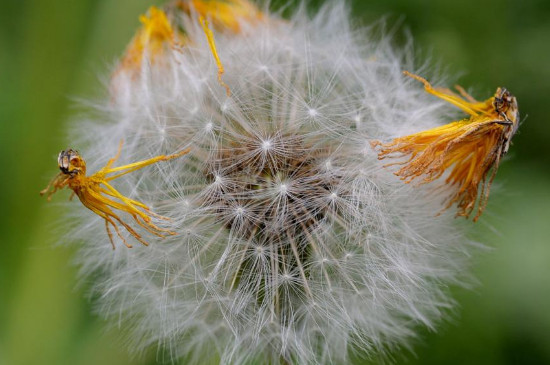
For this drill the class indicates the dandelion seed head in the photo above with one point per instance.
(293, 242)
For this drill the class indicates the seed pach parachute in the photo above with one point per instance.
(470, 148)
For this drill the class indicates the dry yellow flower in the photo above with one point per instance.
(158, 34)
(471, 148)
(153, 37)
(98, 195)
(224, 14)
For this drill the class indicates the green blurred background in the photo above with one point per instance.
(53, 50)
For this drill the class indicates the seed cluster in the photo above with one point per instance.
(294, 244)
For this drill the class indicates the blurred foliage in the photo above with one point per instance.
(52, 51)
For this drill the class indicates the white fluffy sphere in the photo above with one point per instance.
(294, 244)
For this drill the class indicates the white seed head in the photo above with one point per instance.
(293, 244)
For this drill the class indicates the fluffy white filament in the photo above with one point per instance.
(294, 244)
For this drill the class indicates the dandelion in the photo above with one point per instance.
(294, 244)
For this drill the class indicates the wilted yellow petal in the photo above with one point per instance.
(224, 14)
(469, 149)
(152, 39)
(97, 194)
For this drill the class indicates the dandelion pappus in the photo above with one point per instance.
(471, 148)
(97, 194)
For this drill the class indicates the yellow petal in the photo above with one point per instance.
(152, 39)
(224, 14)
(469, 150)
